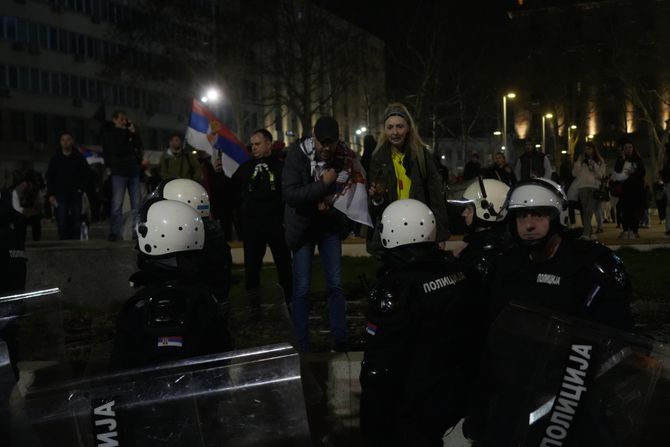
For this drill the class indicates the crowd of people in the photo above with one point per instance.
(430, 309)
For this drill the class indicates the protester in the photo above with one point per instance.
(402, 168)
(67, 177)
(423, 335)
(317, 172)
(472, 167)
(629, 170)
(259, 203)
(589, 169)
(122, 149)
(532, 163)
(176, 162)
(501, 170)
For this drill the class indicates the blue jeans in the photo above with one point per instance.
(330, 251)
(119, 185)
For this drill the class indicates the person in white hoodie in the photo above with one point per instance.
(589, 169)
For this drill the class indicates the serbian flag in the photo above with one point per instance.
(205, 132)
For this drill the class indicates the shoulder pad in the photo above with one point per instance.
(608, 269)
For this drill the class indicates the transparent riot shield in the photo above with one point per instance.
(242, 398)
(250, 395)
(558, 381)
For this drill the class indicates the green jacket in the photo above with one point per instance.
(426, 187)
(181, 165)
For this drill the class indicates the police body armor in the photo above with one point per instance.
(170, 321)
(422, 346)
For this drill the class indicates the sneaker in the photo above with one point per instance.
(593, 237)
(623, 235)
(599, 230)
(584, 237)
(634, 235)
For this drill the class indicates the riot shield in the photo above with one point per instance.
(242, 398)
(248, 396)
(559, 381)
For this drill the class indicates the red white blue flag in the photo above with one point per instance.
(205, 132)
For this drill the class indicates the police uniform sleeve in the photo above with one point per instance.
(609, 290)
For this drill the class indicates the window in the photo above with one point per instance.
(18, 126)
(53, 38)
(92, 90)
(74, 86)
(33, 38)
(44, 36)
(24, 78)
(10, 28)
(60, 125)
(55, 84)
(34, 80)
(64, 85)
(44, 83)
(83, 88)
(63, 40)
(22, 31)
(40, 130)
(13, 76)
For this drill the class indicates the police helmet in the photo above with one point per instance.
(185, 190)
(487, 196)
(539, 194)
(406, 222)
(166, 227)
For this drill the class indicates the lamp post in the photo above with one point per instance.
(544, 134)
(510, 95)
(360, 131)
(571, 127)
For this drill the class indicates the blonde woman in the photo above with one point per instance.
(402, 168)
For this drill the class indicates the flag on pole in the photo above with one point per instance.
(205, 132)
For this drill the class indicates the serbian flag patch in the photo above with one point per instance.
(371, 328)
(175, 341)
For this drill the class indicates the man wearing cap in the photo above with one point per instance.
(309, 182)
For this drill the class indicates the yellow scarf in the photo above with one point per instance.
(403, 183)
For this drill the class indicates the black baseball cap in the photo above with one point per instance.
(326, 130)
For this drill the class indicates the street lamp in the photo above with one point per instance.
(571, 127)
(360, 131)
(211, 94)
(544, 135)
(510, 95)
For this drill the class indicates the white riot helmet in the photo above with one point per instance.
(539, 193)
(487, 196)
(167, 227)
(406, 222)
(187, 191)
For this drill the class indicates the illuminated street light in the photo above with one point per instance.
(203, 99)
(213, 94)
(564, 152)
(544, 134)
(509, 95)
(571, 127)
(497, 133)
(359, 131)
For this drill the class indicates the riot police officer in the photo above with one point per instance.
(215, 261)
(552, 270)
(422, 335)
(486, 233)
(555, 274)
(176, 314)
